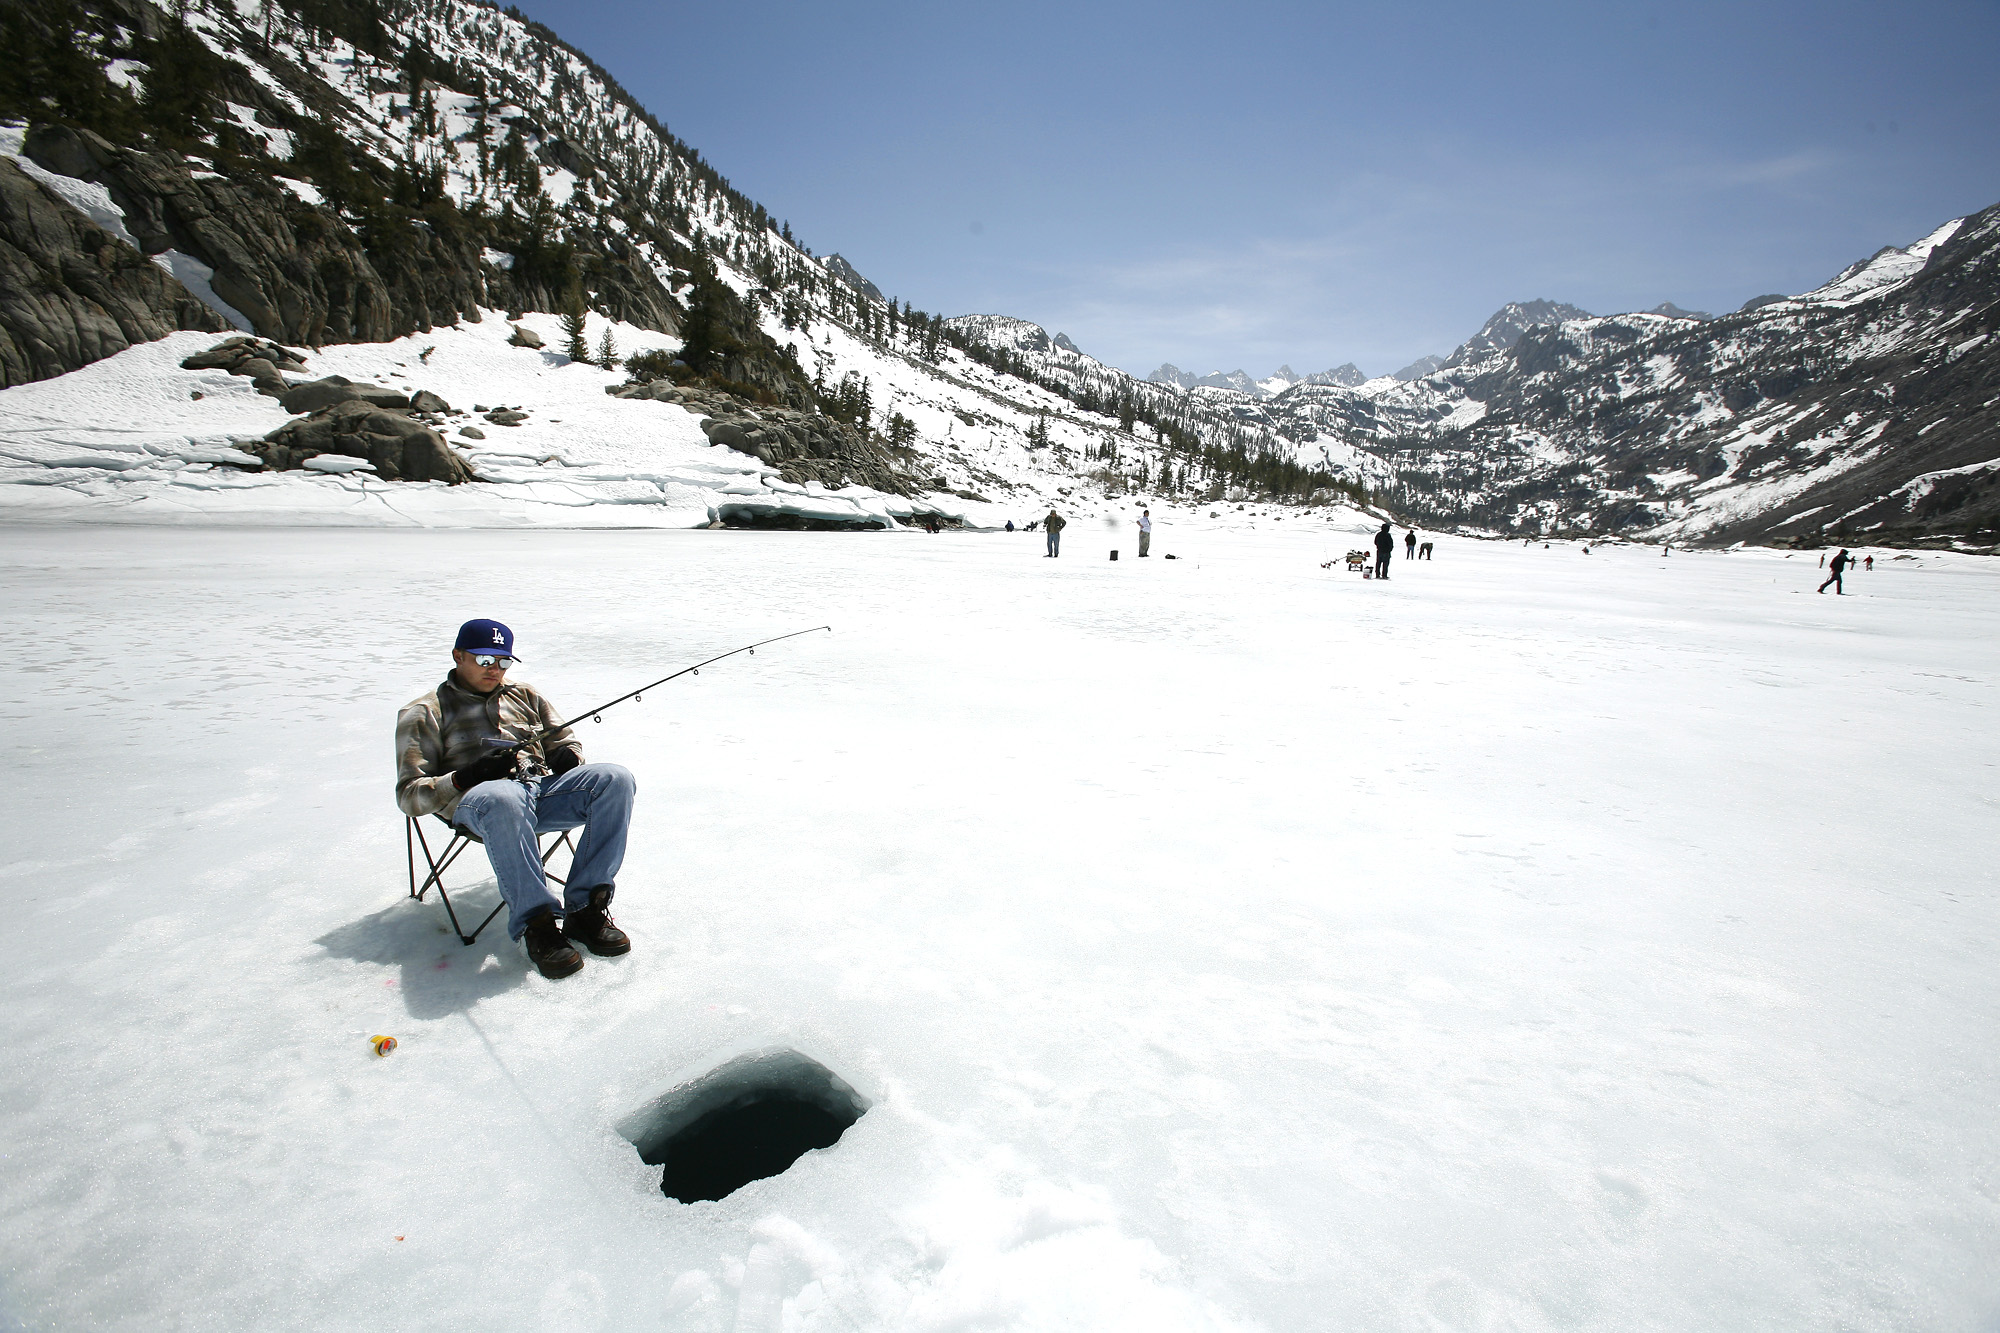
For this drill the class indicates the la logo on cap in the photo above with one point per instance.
(497, 637)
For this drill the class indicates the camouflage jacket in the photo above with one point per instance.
(450, 727)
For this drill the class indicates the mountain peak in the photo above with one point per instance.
(842, 270)
(1348, 376)
(1506, 325)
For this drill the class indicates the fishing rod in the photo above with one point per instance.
(694, 670)
(596, 714)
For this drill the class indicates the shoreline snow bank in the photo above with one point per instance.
(135, 439)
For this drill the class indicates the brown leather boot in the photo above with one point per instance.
(591, 927)
(547, 949)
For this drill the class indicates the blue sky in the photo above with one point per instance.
(1244, 185)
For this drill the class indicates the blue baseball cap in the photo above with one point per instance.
(485, 636)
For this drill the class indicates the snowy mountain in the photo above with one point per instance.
(1348, 376)
(1230, 381)
(842, 271)
(1239, 381)
(1504, 327)
(1417, 369)
(1279, 380)
(1863, 407)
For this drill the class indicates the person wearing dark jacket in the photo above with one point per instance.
(1840, 563)
(1385, 546)
(1053, 525)
(1410, 544)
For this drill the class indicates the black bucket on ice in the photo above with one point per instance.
(747, 1120)
(1114, 553)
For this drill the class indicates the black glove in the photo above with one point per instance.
(499, 764)
(562, 761)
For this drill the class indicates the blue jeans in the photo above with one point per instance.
(1055, 541)
(508, 816)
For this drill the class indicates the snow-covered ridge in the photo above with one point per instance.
(1879, 274)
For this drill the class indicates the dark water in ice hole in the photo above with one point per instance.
(728, 1148)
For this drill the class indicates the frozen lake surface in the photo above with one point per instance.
(1535, 941)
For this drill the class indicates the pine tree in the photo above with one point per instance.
(607, 350)
(574, 322)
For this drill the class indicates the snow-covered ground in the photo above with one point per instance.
(1538, 940)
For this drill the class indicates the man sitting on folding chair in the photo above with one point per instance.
(446, 765)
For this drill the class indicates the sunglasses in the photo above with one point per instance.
(492, 660)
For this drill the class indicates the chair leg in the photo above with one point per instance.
(413, 838)
(438, 865)
(468, 939)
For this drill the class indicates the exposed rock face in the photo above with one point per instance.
(769, 520)
(333, 389)
(71, 292)
(803, 446)
(299, 273)
(839, 269)
(400, 447)
(313, 283)
(259, 361)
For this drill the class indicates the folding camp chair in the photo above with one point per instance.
(414, 840)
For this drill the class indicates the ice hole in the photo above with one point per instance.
(746, 1120)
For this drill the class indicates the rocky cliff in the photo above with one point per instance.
(72, 292)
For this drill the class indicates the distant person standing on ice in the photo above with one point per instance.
(1010, 525)
(1385, 546)
(1410, 544)
(445, 766)
(1868, 562)
(1145, 532)
(1053, 525)
(1840, 562)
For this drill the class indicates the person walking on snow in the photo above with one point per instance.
(1385, 546)
(1410, 544)
(1145, 532)
(446, 766)
(1868, 562)
(1053, 525)
(1840, 562)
